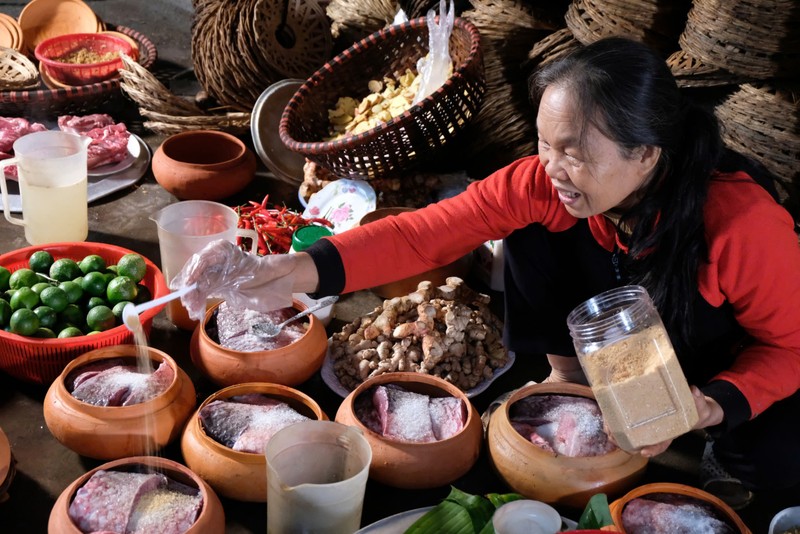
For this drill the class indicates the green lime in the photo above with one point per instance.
(70, 331)
(5, 312)
(118, 307)
(47, 316)
(94, 284)
(41, 286)
(72, 314)
(93, 302)
(23, 278)
(73, 290)
(54, 297)
(45, 332)
(24, 297)
(143, 294)
(109, 275)
(112, 269)
(24, 322)
(40, 261)
(133, 266)
(101, 318)
(5, 275)
(8, 293)
(121, 288)
(92, 263)
(65, 269)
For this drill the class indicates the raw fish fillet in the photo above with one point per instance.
(165, 511)
(404, 415)
(672, 514)
(448, 415)
(118, 384)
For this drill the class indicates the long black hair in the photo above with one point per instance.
(627, 91)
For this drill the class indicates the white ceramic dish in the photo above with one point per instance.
(332, 381)
(103, 185)
(343, 202)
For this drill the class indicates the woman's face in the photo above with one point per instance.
(592, 175)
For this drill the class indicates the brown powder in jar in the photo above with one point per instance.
(641, 389)
(86, 56)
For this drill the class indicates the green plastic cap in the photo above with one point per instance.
(308, 235)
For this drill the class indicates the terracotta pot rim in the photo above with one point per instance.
(134, 410)
(296, 304)
(440, 383)
(218, 136)
(563, 388)
(230, 391)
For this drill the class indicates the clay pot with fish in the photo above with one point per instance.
(288, 365)
(417, 465)
(232, 473)
(112, 432)
(550, 477)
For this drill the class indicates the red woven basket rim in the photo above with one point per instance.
(147, 56)
(351, 54)
(38, 51)
(159, 289)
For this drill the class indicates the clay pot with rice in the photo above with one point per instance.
(414, 465)
(111, 432)
(235, 474)
(554, 478)
(287, 365)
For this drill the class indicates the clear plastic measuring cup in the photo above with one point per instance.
(185, 228)
(316, 476)
(51, 167)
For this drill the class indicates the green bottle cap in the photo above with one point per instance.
(308, 235)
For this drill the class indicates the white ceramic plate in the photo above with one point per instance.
(343, 202)
(100, 186)
(332, 381)
(134, 149)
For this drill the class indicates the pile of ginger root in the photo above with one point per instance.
(446, 331)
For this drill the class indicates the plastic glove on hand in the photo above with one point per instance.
(223, 270)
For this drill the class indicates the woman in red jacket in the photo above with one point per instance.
(629, 186)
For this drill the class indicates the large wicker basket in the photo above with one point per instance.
(406, 140)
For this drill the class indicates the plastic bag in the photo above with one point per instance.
(436, 67)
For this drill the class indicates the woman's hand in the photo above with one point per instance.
(565, 369)
(709, 414)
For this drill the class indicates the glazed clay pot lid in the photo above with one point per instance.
(285, 164)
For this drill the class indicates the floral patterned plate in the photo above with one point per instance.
(343, 202)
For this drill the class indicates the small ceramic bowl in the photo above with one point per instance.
(112, 432)
(290, 365)
(437, 276)
(210, 520)
(203, 165)
(784, 520)
(238, 475)
(403, 464)
(726, 511)
(546, 476)
(7, 466)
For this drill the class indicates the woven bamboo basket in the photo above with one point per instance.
(16, 70)
(556, 45)
(757, 39)
(763, 121)
(690, 71)
(407, 139)
(353, 20)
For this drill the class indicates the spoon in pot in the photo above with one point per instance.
(270, 330)
(133, 310)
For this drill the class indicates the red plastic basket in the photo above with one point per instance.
(41, 360)
(51, 50)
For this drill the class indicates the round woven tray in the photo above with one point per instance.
(407, 139)
(79, 99)
(763, 122)
(689, 71)
(16, 71)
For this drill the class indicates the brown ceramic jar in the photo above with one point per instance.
(203, 165)
(409, 465)
(290, 365)
(111, 432)
(238, 475)
(211, 519)
(545, 476)
(726, 511)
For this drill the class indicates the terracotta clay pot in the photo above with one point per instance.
(238, 475)
(726, 511)
(111, 432)
(289, 365)
(556, 479)
(437, 276)
(211, 519)
(203, 165)
(417, 465)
